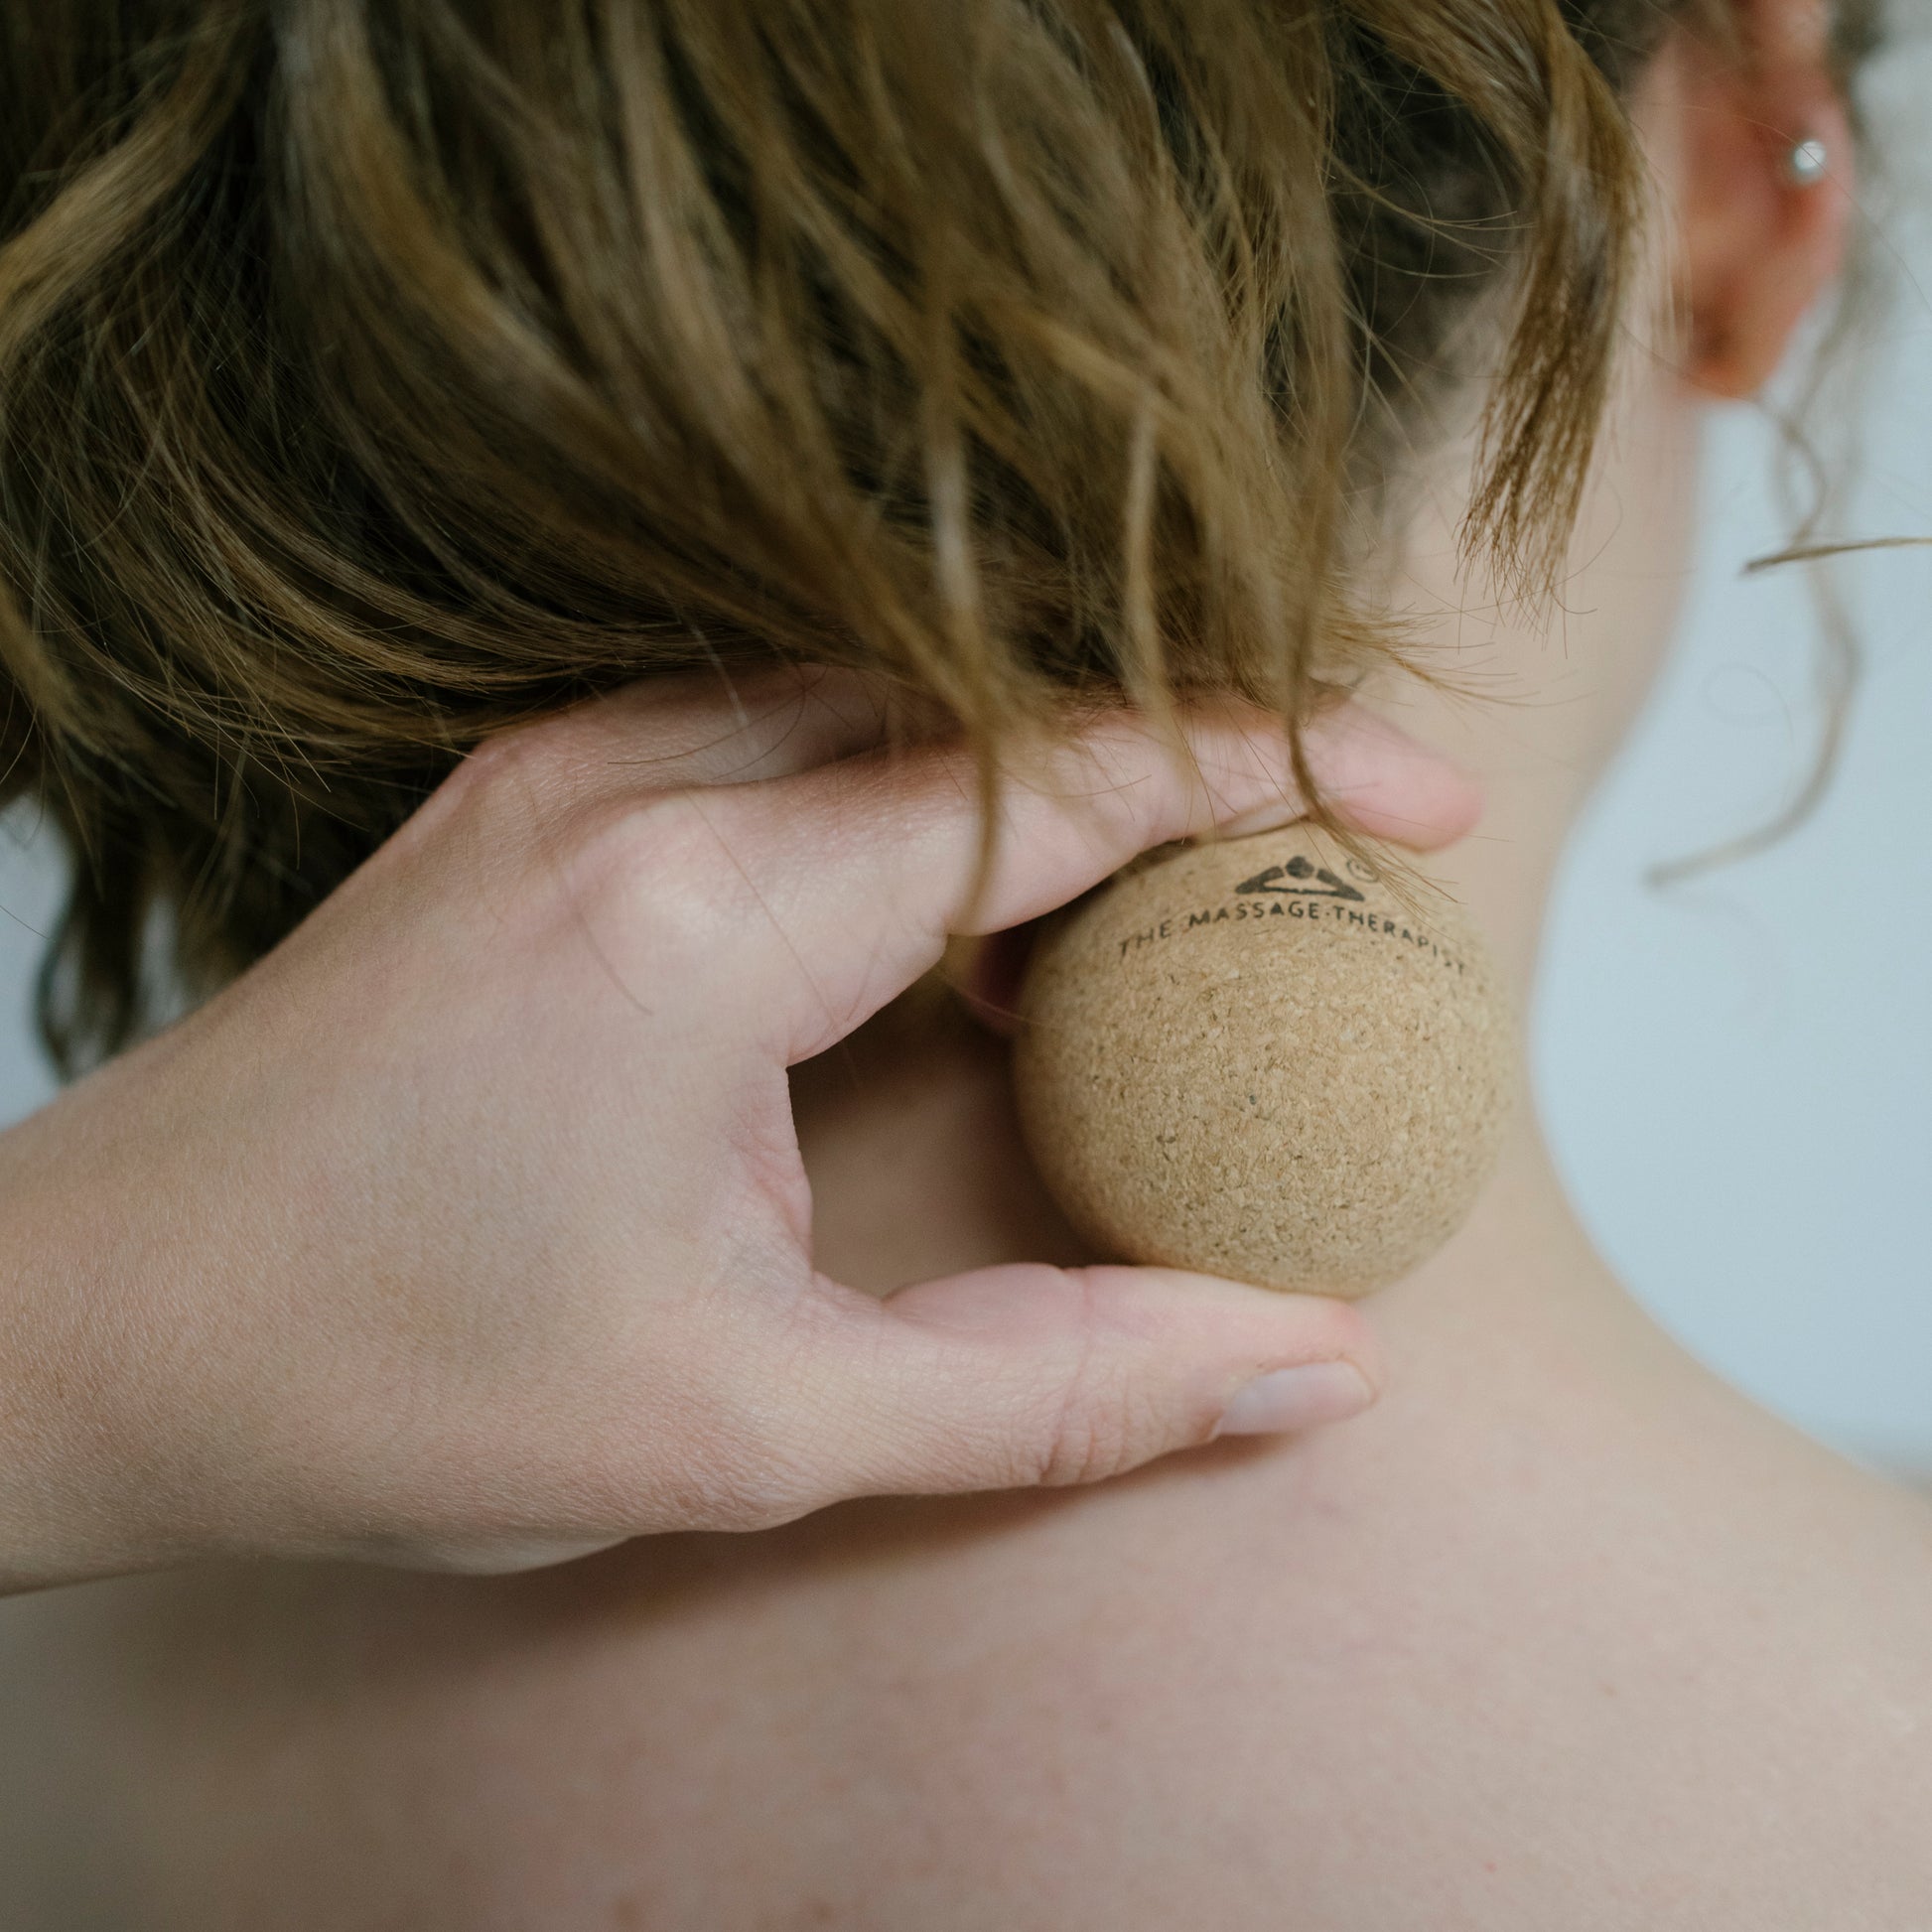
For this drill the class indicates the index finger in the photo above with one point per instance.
(860, 870)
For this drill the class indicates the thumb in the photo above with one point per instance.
(1015, 1376)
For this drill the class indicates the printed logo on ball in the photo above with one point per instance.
(1300, 889)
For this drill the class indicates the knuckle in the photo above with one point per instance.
(744, 1489)
(665, 865)
(1102, 1420)
(734, 1468)
(1100, 1428)
(681, 1478)
(498, 793)
(522, 762)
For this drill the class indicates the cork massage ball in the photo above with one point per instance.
(1254, 1060)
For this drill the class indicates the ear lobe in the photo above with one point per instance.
(1758, 245)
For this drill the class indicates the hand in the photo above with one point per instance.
(467, 1229)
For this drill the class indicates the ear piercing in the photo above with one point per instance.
(1805, 163)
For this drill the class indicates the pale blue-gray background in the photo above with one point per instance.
(1737, 1073)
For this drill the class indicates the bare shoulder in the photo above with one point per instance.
(1562, 1635)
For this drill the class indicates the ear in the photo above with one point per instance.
(1757, 245)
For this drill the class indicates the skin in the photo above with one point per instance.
(470, 1230)
(1560, 1632)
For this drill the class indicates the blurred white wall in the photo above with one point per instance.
(30, 896)
(1737, 1073)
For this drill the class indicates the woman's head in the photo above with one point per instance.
(372, 376)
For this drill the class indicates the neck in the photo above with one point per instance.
(908, 1130)
(917, 1172)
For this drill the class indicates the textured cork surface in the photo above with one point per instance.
(1254, 1059)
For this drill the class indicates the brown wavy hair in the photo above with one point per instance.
(376, 374)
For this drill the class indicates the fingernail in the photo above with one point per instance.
(1289, 1399)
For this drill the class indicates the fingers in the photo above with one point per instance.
(731, 729)
(1389, 785)
(1017, 1376)
(859, 873)
(716, 729)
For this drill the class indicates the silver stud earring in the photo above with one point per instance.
(1805, 163)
